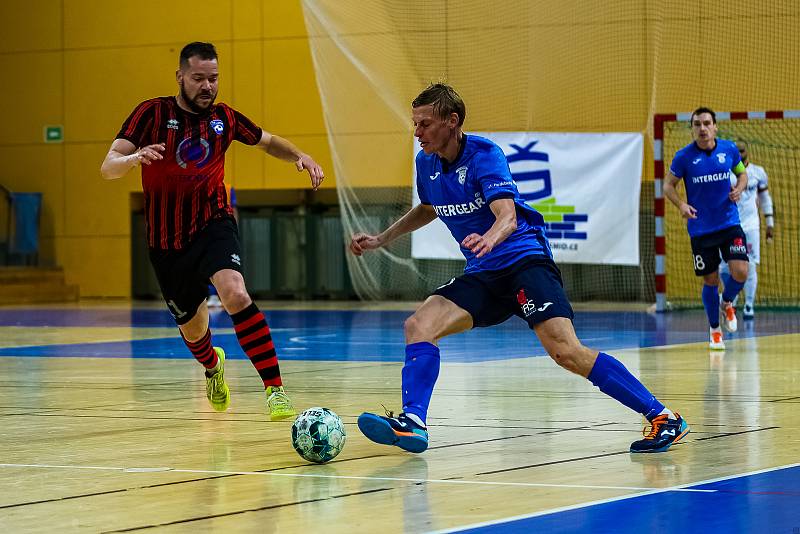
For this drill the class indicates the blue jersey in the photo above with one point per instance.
(706, 175)
(460, 193)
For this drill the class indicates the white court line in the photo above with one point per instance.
(682, 487)
(344, 477)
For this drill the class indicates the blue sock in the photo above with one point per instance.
(617, 382)
(419, 376)
(731, 289)
(711, 304)
(726, 278)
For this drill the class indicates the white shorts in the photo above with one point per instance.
(753, 237)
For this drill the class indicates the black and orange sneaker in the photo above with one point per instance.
(664, 432)
(400, 431)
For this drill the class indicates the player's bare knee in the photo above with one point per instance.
(567, 356)
(235, 299)
(739, 273)
(415, 329)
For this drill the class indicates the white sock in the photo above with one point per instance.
(751, 284)
(669, 413)
(213, 370)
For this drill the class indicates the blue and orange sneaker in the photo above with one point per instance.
(664, 432)
(389, 430)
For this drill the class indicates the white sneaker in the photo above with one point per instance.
(715, 339)
(727, 316)
(749, 312)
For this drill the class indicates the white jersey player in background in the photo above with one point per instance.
(755, 196)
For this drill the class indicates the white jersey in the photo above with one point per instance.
(748, 209)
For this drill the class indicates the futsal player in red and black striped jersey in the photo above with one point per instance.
(180, 142)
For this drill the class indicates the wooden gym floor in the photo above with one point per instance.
(105, 428)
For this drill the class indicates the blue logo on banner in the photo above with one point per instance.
(560, 220)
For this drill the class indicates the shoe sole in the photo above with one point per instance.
(378, 430)
(668, 445)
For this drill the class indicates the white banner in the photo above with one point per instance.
(586, 185)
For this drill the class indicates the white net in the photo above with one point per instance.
(520, 65)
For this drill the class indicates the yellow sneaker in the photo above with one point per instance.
(279, 403)
(216, 389)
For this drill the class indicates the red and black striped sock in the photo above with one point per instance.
(256, 341)
(202, 350)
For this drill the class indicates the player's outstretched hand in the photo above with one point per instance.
(362, 242)
(770, 234)
(478, 244)
(148, 154)
(688, 212)
(307, 163)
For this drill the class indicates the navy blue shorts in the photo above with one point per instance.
(183, 275)
(730, 243)
(531, 289)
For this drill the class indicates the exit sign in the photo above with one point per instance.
(53, 134)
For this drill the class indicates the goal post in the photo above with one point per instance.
(774, 143)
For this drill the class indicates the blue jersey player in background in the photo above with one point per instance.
(466, 182)
(705, 165)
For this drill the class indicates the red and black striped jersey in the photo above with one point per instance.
(185, 190)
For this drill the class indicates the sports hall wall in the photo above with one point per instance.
(85, 64)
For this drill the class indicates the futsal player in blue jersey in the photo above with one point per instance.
(712, 217)
(466, 182)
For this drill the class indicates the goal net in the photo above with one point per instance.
(774, 143)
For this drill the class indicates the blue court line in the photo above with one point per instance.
(762, 501)
(375, 335)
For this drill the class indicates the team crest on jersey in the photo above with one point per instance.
(218, 126)
(172, 124)
(721, 158)
(462, 174)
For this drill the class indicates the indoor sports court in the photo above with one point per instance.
(111, 432)
(164, 160)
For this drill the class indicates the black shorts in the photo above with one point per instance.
(531, 289)
(184, 274)
(730, 243)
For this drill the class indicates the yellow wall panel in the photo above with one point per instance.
(593, 69)
(244, 70)
(95, 206)
(31, 96)
(99, 99)
(247, 17)
(244, 166)
(283, 175)
(101, 266)
(98, 24)
(283, 18)
(593, 81)
(37, 168)
(763, 62)
(30, 25)
(290, 89)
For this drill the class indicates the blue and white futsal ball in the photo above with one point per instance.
(318, 435)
